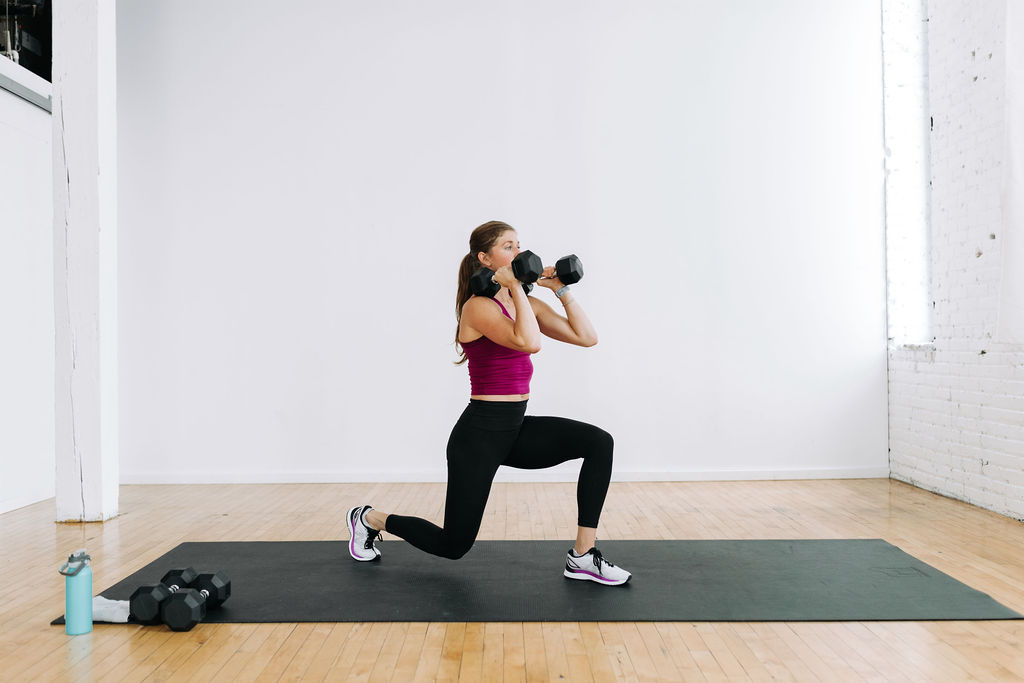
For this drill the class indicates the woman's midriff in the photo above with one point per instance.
(507, 398)
(504, 397)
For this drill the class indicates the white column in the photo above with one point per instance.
(85, 257)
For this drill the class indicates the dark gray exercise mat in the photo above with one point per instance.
(799, 580)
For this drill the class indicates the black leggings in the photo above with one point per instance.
(490, 434)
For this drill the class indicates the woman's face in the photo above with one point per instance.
(503, 251)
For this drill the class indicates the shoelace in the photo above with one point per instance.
(371, 535)
(598, 559)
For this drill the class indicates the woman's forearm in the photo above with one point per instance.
(578, 320)
(526, 326)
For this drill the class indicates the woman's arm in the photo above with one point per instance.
(480, 314)
(575, 329)
(527, 326)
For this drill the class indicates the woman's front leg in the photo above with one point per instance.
(585, 539)
(376, 519)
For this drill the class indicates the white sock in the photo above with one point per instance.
(573, 553)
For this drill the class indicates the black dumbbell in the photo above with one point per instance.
(527, 268)
(569, 269)
(144, 605)
(187, 607)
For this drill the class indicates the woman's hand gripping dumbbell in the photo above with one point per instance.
(525, 269)
(568, 270)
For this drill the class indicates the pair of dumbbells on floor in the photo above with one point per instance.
(181, 598)
(527, 267)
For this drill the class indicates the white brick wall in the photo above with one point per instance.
(956, 407)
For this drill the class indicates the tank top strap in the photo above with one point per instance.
(502, 308)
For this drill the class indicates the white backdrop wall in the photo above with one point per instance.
(297, 189)
(26, 296)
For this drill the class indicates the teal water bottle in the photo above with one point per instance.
(77, 593)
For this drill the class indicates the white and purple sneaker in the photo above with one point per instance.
(592, 567)
(362, 535)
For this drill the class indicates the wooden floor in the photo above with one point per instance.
(980, 548)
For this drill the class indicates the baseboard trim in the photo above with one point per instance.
(24, 501)
(556, 474)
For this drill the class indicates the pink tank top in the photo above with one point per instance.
(496, 370)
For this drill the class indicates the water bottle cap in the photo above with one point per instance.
(76, 562)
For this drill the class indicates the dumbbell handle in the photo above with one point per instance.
(524, 284)
(148, 602)
(496, 282)
(574, 277)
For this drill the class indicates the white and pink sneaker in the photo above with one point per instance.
(592, 567)
(362, 535)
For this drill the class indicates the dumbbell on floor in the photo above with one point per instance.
(526, 267)
(186, 608)
(144, 605)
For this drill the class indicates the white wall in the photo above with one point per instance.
(297, 189)
(26, 297)
(957, 405)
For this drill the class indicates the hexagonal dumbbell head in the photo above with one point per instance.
(482, 283)
(183, 610)
(217, 587)
(527, 267)
(144, 604)
(569, 269)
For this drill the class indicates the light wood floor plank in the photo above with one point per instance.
(732, 645)
(707, 663)
(409, 657)
(451, 652)
(387, 658)
(471, 666)
(598, 654)
(716, 646)
(576, 659)
(514, 662)
(536, 652)
(370, 651)
(494, 649)
(300, 662)
(622, 665)
(324, 657)
(682, 657)
(431, 658)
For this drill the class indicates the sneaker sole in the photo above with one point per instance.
(587, 576)
(352, 539)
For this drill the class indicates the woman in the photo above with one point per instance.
(497, 336)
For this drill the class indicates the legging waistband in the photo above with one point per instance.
(498, 404)
(494, 415)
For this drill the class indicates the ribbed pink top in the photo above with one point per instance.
(496, 370)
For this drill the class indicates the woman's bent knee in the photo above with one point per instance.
(603, 445)
(456, 550)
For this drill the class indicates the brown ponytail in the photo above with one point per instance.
(482, 239)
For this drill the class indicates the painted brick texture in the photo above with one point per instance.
(956, 407)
